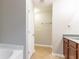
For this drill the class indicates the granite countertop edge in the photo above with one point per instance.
(69, 37)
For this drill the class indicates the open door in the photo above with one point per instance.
(30, 28)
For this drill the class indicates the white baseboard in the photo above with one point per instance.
(43, 45)
(58, 55)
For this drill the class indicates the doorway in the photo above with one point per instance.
(43, 25)
(42, 30)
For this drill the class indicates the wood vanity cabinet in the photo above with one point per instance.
(70, 49)
(78, 51)
(66, 48)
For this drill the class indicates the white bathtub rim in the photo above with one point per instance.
(11, 46)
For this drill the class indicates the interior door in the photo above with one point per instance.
(30, 29)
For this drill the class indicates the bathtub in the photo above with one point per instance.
(11, 51)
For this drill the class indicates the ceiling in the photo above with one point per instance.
(42, 3)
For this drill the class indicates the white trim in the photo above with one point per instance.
(33, 52)
(30, 55)
(43, 45)
(59, 55)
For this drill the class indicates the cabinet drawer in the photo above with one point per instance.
(73, 44)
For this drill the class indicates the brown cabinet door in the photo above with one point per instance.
(72, 53)
(78, 52)
(66, 49)
(66, 53)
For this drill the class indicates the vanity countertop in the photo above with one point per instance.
(75, 39)
(72, 37)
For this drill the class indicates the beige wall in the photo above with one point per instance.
(43, 26)
(62, 15)
(74, 24)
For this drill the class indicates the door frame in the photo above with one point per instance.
(27, 44)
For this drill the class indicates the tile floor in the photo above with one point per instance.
(44, 53)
